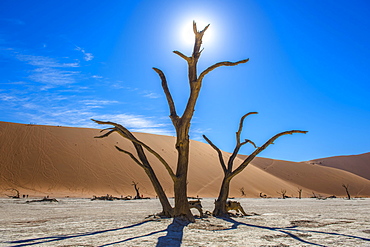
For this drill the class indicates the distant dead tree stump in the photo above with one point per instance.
(347, 191)
(242, 191)
(299, 193)
(138, 196)
(16, 196)
(45, 199)
(263, 195)
(320, 197)
(283, 194)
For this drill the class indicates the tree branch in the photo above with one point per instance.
(171, 104)
(249, 141)
(246, 162)
(198, 42)
(195, 30)
(238, 144)
(226, 63)
(182, 56)
(128, 135)
(131, 155)
(238, 133)
(218, 152)
(106, 134)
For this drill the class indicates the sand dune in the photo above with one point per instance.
(315, 178)
(63, 161)
(357, 164)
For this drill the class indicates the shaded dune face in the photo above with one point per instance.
(64, 161)
(357, 164)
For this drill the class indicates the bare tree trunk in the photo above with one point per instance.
(182, 208)
(282, 193)
(220, 204)
(137, 190)
(346, 188)
(167, 209)
(299, 193)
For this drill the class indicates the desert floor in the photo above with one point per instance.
(82, 222)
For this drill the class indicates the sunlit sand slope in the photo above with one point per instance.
(63, 161)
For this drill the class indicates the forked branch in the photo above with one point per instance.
(238, 143)
(199, 34)
(198, 43)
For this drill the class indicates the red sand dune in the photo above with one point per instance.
(64, 161)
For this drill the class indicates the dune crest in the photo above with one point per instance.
(357, 164)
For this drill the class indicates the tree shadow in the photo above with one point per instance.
(174, 234)
(129, 239)
(288, 231)
(35, 241)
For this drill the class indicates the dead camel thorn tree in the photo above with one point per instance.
(299, 193)
(17, 194)
(138, 196)
(181, 125)
(283, 194)
(347, 191)
(229, 173)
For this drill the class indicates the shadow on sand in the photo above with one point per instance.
(174, 234)
(172, 238)
(288, 231)
(35, 241)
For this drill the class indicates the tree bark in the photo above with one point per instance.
(167, 209)
(347, 191)
(220, 204)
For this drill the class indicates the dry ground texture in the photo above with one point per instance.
(273, 222)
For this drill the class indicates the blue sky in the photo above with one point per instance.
(64, 62)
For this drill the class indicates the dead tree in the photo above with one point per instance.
(347, 191)
(242, 191)
(229, 172)
(299, 193)
(282, 193)
(16, 196)
(138, 196)
(181, 125)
